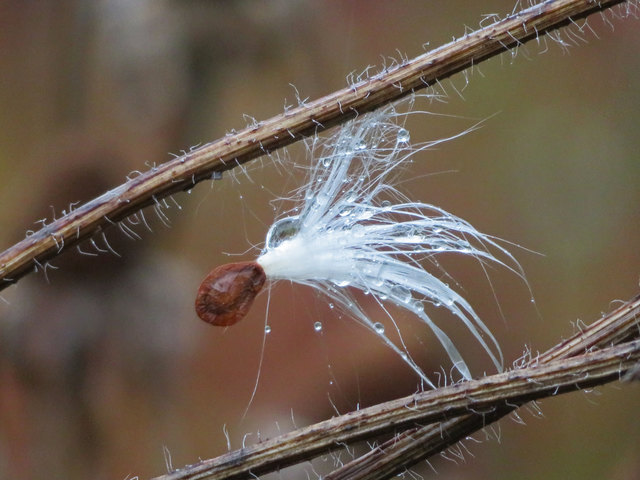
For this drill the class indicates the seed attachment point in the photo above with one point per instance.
(227, 293)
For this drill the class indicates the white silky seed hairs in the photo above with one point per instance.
(352, 228)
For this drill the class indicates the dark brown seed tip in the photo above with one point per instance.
(226, 294)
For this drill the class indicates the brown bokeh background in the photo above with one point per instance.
(105, 364)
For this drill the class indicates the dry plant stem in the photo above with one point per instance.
(565, 367)
(307, 119)
(420, 443)
(412, 446)
(490, 397)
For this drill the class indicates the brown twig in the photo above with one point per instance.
(307, 119)
(420, 443)
(566, 367)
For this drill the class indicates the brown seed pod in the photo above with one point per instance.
(226, 294)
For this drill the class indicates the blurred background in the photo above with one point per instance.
(104, 365)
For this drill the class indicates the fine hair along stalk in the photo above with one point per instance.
(309, 118)
(429, 422)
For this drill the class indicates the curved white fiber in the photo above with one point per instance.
(353, 228)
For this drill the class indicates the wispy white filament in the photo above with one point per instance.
(352, 228)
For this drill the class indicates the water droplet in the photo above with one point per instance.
(282, 230)
(378, 327)
(403, 136)
(267, 329)
(365, 215)
(326, 161)
(332, 306)
(345, 210)
(417, 306)
(322, 199)
(361, 145)
(351, 198)
(342, 283)
(401, 294)
(317, 326)
(385, 204)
